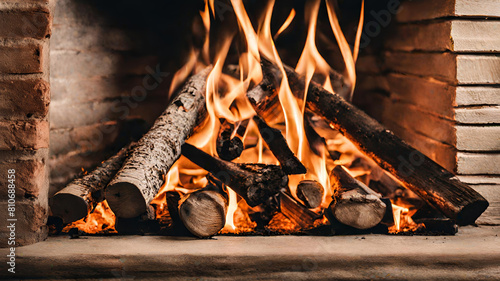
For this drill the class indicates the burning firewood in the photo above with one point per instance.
(355, 204)
(279, 147)
(203, 212)
(256, 183)
(311, 193)
(438, 187)
(138, 181)
(229, 147)
(296, 212)
(75, 200)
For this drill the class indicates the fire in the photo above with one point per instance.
(402, 220)
(99, 220)
(226, 99)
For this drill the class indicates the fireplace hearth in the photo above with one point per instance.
(339, 120)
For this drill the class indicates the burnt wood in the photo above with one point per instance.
(297, 212)
(438, 187)
(76, 200)
(138, 181)
(256, 183)
(279, 147)
(229, 147)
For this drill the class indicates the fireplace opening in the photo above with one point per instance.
(242, 118)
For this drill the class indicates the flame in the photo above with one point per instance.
(402, 220)
(349, 58)
(226, 99)
(99, 220)
(286, 24)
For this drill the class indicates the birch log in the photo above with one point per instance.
(138, 181)
(75, 200)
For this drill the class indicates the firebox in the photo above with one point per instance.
(222, 119)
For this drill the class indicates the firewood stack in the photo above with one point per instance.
(436, 79)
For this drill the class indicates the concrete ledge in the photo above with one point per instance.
(474, 253)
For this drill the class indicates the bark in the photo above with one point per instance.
(138, 181)
(256, 183)
(75, 200)
(355, 204)
(438, 187)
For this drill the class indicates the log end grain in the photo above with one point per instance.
(471, 212)
(126, 200)
(204, 213)
(69, 207)
(311, 193)
(358, 210)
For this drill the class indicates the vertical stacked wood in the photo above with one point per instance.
(437, 82)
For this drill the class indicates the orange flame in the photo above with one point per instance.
(100, 220)
(226, 98)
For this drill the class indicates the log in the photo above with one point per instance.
(311, 193)
(203, 212)
(296, 212)
(75, 200)
(256, 183)
(141, 225)
(388, 218)
(138, 181)
(290, 164)
(438, 187)
(229, 147)
(355, 204)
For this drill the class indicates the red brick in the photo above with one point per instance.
(24, 98)
(19, 59)
(30, 178)
(25, 24)
(31, 224)
(46, 2)
(19, 135)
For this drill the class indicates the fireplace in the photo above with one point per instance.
(128, 84)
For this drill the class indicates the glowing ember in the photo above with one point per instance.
(402, 220)
(100, 220)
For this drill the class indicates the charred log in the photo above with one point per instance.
(256, 183)
(438, 187)
(229, 147)
(279, 147)
(75, 200)
(138, 181)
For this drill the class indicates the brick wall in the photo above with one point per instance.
(24, 125)
(435, 78)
